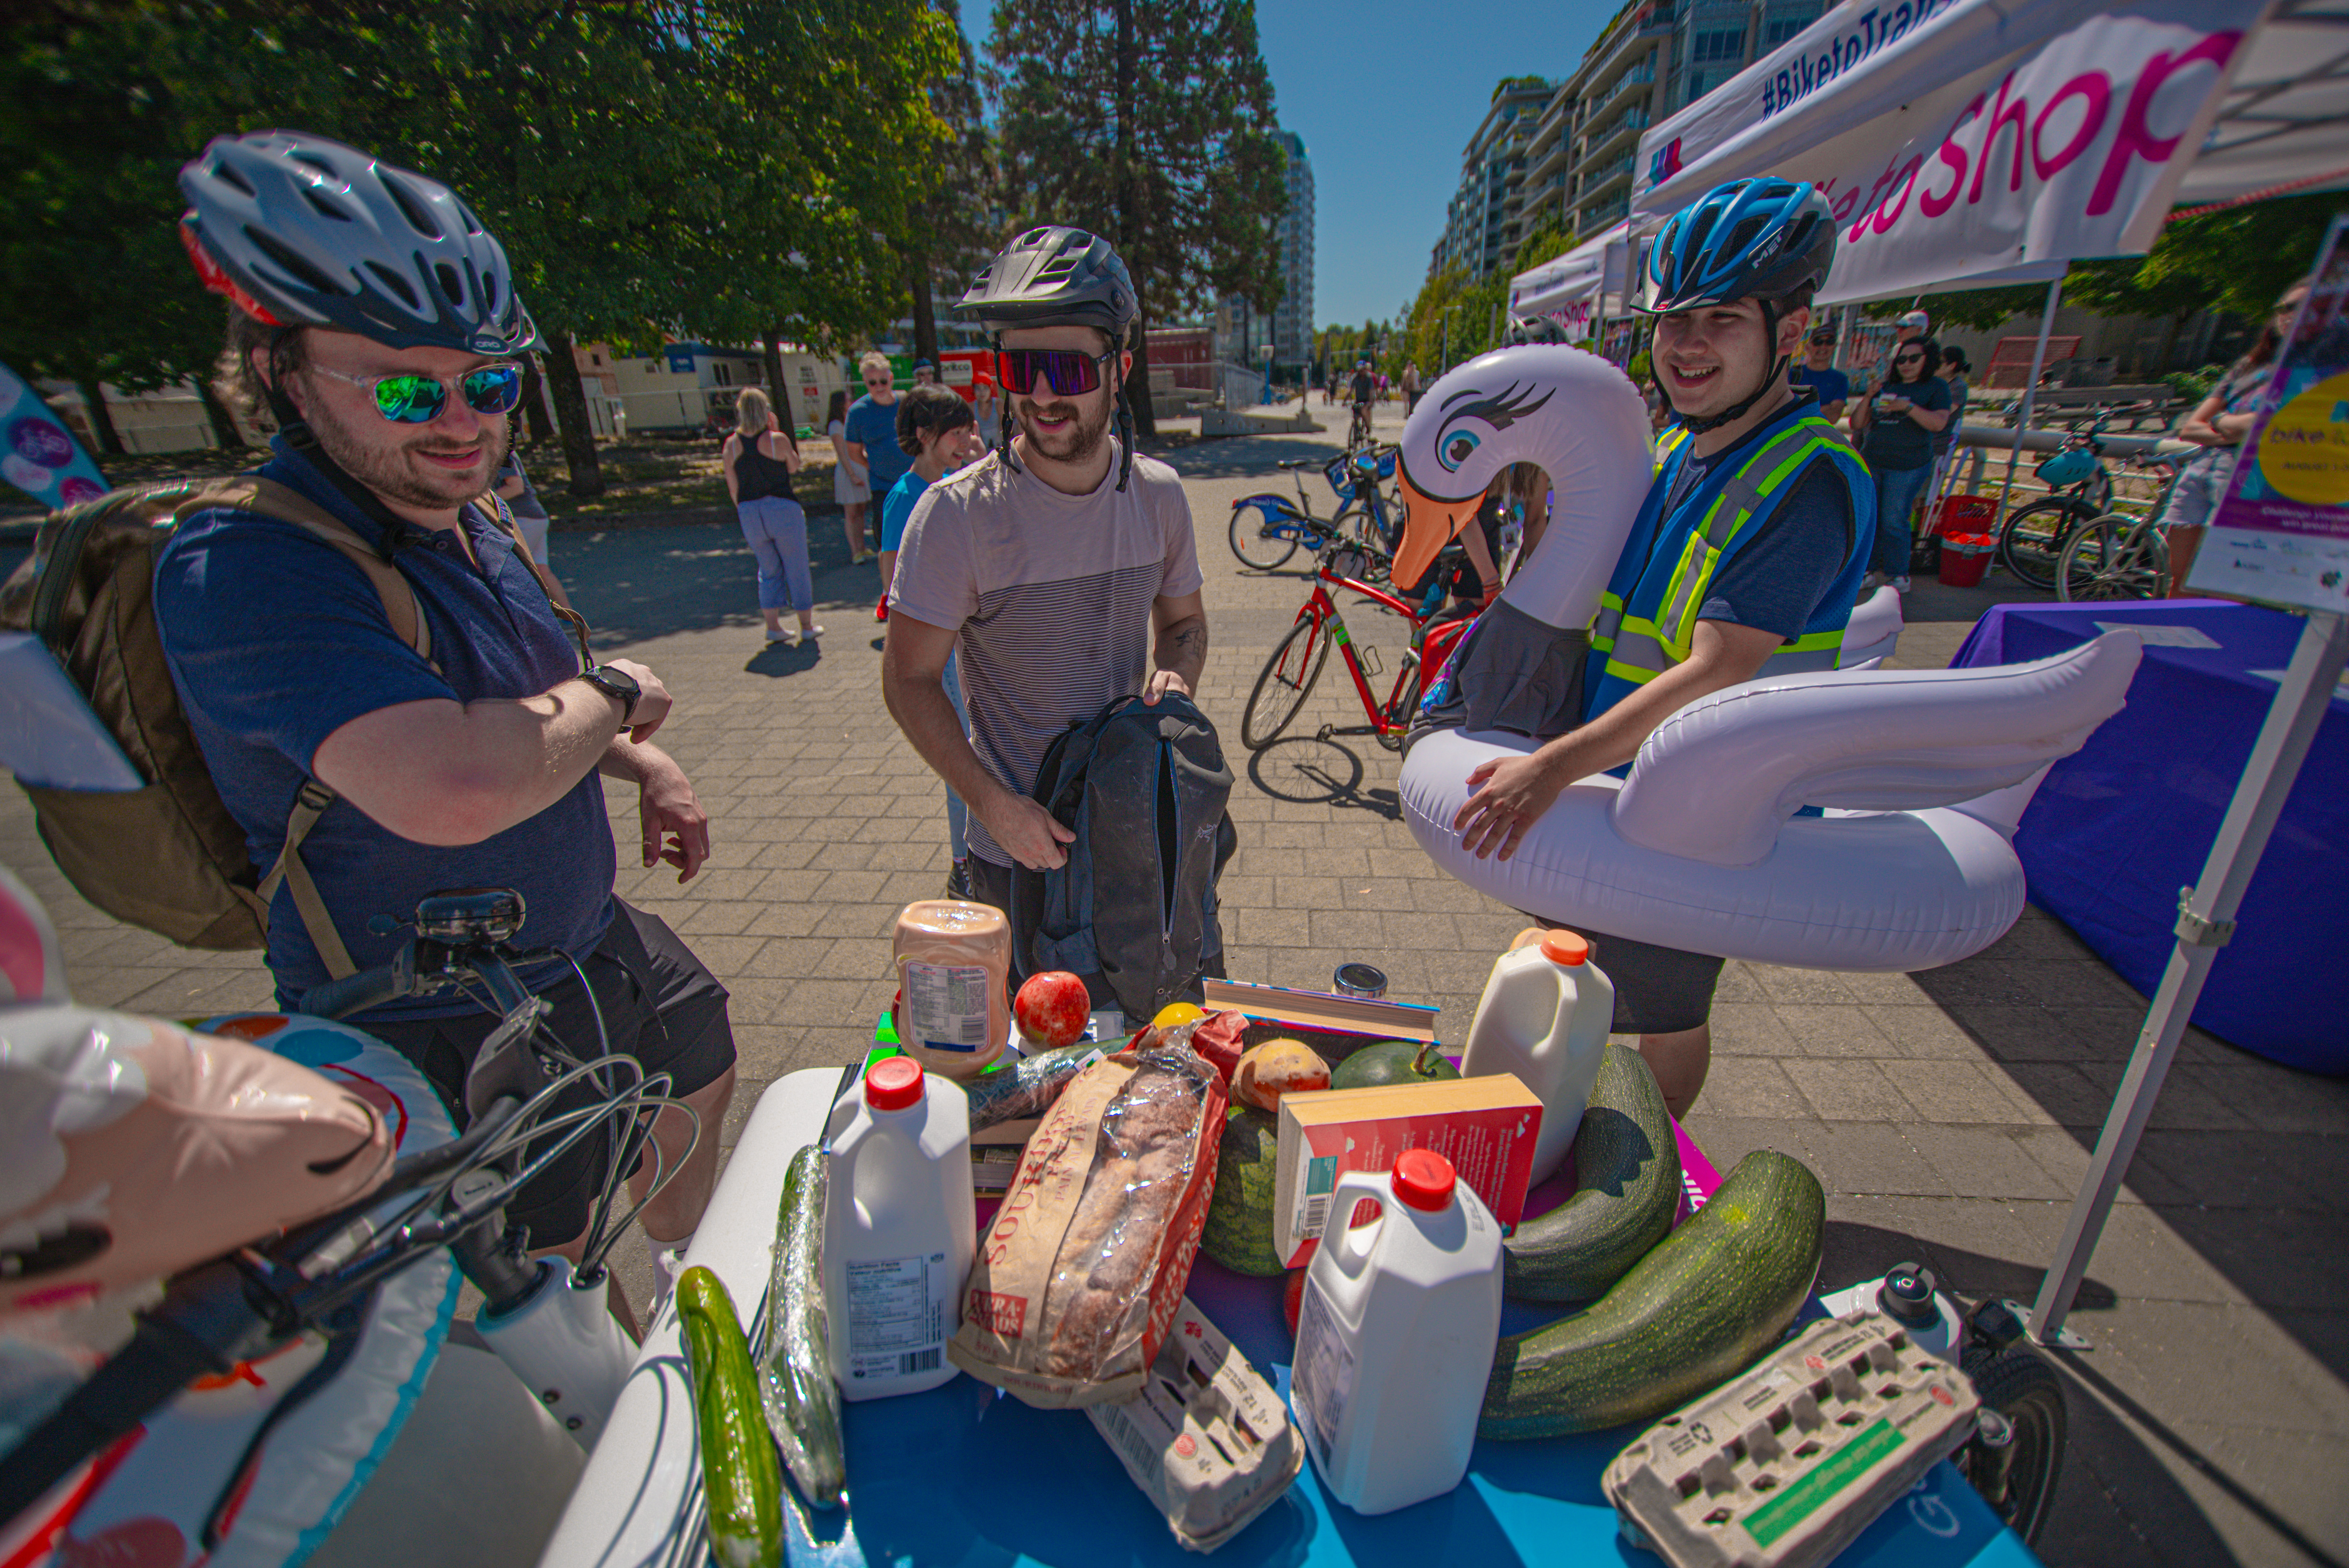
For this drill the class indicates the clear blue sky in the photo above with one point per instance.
(1386, 94)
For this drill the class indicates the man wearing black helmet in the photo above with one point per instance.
(376, 320)
(1061, 564)
(1745, 559)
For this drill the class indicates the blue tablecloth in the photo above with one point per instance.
(2119, 828)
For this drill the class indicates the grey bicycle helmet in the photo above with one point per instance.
(1533, 329)
(1057, 276)
(300, 230)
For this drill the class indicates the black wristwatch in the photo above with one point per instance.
(616, 683)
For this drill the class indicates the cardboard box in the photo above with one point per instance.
(1206, 1440)
(1335, 1026)
(1484, 1126)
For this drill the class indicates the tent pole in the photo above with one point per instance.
(2205, 919)
(2030, 391)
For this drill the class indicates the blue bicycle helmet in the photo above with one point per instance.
(1751, 239)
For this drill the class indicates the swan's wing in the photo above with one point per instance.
(1715, 779)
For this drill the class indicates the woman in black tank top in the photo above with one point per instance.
(759, 460)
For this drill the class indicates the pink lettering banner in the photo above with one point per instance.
(1962, 140)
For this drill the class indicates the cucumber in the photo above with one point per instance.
(1029, 1087)
(1627, 1176)
(740, 1481)
(795, 1384)
(1711, 1299)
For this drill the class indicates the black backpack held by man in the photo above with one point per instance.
(1132, 909)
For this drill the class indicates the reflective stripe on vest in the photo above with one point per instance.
(1639, 648)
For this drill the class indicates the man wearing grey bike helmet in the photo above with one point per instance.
(1061, 563)
(376, 319)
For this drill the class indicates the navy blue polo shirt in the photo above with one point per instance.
(277, 640)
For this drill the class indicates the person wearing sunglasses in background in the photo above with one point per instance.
(872, 431)
(376, 319)
(1060, 567)
(1895, 425)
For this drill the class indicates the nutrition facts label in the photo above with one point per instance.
(946, 1004)
(897, 1315)
(1324, 1376)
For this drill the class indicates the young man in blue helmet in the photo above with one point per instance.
(1745, 562)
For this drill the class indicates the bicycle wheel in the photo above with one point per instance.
(2113, 557)
(1254, 542)
(1286, 682)
(2032, 538)
(2024, 1388)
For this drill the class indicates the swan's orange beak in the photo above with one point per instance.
(1428, 525)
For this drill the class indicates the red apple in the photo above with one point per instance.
(1051, 1009)
(1292, 1298)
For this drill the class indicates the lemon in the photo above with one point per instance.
(1176, 1012)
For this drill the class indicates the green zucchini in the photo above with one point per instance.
(795, 1382)
(740, 1481)
(1710, 1299)
(1627, 1177)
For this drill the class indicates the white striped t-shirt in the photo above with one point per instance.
(1052, 596)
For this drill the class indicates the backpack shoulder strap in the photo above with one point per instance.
(559, 601)
(267, 498)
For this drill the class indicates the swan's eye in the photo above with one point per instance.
(1454, 448)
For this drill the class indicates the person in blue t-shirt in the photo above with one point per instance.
(479, 766)
(1831, 386)
(1729, 281)
(872, 427)
(939, 432)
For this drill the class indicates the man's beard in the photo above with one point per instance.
(1078, 442)
(388, 473)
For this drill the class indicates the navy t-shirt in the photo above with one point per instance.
(276, 640)
(876, 424)
(1896, 441)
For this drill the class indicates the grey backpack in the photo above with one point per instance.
(1133, 910)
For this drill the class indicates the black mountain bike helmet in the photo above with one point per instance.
(1767, 240)
(1056, 276)
(300, 230)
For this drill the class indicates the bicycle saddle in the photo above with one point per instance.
(130, 1149)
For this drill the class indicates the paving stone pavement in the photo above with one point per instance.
(1950, 1113)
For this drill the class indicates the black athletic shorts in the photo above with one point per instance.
(1657, 990)
(660, 1006)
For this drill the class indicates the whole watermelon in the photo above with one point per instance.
(1239, 1230)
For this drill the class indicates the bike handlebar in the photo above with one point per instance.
(353, 993)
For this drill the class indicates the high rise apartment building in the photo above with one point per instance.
(1242, 330)
(1652, 60)
(1482, 226)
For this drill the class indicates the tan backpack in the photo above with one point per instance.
(168, 857)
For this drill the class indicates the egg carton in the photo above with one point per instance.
(1206, 1440)
(1783, 1466)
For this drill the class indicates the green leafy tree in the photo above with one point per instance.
(1149, 122)
(959, 222)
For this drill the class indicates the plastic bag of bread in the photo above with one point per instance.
(1080, 1276)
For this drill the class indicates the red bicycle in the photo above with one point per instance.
(1288, 677)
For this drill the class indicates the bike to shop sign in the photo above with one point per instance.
(1960, 139)
(2281, 536)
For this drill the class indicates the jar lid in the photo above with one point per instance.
(1424, 1179)
(893, 1083)
(1565, 947)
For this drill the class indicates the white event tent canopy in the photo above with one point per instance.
(1573, 287)
(1963, 143)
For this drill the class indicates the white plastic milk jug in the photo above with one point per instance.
(899, 1229)
(1545, 1017)
(1395, 1335)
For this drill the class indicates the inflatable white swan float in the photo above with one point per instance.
(1923, 773)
